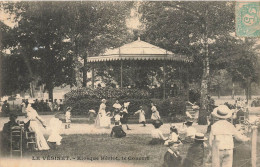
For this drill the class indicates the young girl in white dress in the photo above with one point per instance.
(55, 127)
(174, 135)
(141, 115)
(155, 113)
(33, 116)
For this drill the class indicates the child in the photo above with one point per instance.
(125, 115)
(55, 126)
(92, 113)
(155, 113)
(172, 157)
(141, 115)
(195, 153)
(157, 136)
(118, 131)
(68, 116)
(174, 135)
(117, 116)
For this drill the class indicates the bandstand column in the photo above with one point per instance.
(164, 80)
(121, 74)
(92, 77)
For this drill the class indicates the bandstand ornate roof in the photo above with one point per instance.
(139, 50)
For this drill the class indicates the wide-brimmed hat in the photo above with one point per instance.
(222, 111)
(68, 108)
(172, 128)
(189, 122)
(157, 123)
(199, 136)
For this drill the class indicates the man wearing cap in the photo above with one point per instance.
(223, 131)
(195, 153)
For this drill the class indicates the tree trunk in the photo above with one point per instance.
(233, 90)
(50, 91)
(203, 113)
(84, 84)
(219, 92)
(249, 90)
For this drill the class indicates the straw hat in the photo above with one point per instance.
(222, 111)
(199, 136)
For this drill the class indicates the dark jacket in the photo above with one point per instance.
(118, 131)
(172, 160)
(6, 137)
(194, 156)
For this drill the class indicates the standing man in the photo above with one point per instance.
(6, 107)
(224, 132)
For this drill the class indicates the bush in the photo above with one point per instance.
(84, 105)
(170, 107)
(84, 99)
(107, 93)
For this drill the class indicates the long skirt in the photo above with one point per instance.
(40, 140)
(102, 121)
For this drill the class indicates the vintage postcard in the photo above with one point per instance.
(129, 83)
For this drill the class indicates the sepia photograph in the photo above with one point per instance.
(129, 83)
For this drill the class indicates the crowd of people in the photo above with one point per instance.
(220, 128)
(39, 105)
(44, 106)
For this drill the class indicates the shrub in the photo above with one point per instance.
(107, 93)
(171, 106)
(82, 106)
(84, 99)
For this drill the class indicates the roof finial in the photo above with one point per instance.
(139, 39)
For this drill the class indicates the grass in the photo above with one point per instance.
(95, 146)
(98, 146)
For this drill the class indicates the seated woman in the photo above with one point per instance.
(157, 136)
(190, 132)
(118, 131)
(32, 117)
(6, 134)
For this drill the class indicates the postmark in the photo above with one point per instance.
(247, 19)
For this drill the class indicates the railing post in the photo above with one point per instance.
(215, 153)
(253, 146)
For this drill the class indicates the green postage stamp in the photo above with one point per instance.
(248, 19)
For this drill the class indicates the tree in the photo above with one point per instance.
(52, 36)
(96, 26)
(197, 29)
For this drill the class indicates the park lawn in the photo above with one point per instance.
(103, 145)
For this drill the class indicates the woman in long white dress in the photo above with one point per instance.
(102, 119)
(33, 116)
